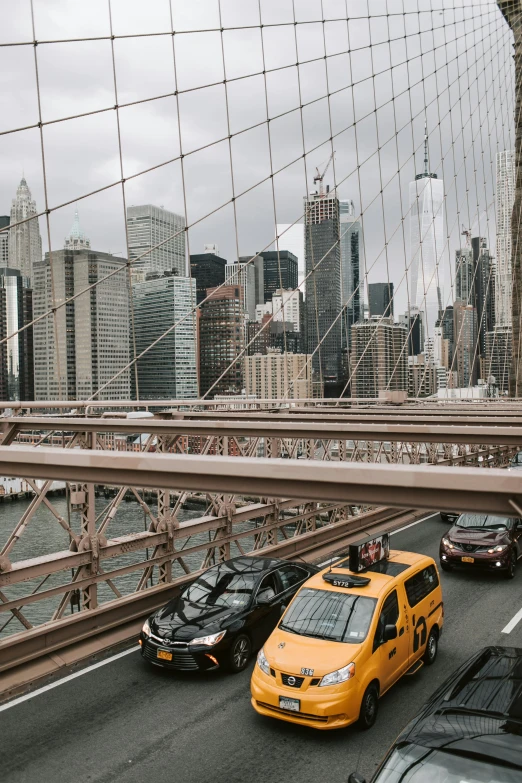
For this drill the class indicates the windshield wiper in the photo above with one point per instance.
(290, 630)
(310, 635)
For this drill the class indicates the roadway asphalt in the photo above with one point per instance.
(127, 722)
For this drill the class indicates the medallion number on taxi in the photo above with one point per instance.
(308, 672)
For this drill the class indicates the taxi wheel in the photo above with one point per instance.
(369, 707)
(239, 653)
(432, 647)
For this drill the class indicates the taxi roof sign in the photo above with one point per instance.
(368, 551)
(345, 580)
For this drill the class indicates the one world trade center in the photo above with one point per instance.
(426, 243)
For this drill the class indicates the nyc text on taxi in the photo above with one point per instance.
(346, 638)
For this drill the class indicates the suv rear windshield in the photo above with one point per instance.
(324, 614)
(483, 521)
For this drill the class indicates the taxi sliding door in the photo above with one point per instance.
(424, 599)
(394, 654)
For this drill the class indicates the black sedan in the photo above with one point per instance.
(225, 614)
(471, 728)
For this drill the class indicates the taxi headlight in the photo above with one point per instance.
(341, 675)
(499, 548)
(447, 543)
(146, 628)
(208, 641)
(262, 662)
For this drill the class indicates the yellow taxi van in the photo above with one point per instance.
(350, 632)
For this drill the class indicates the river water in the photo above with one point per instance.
(45, 535)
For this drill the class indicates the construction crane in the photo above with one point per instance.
(319, 177)
(466, 233)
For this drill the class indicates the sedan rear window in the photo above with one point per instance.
(323, 614)
(483, 521)
(219, 587)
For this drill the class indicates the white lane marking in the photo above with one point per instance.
(69, 677)
(332, 560)
(412, 524)
(327, 562)
(513, 622)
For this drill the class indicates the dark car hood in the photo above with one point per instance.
(183, 620)
(468, 535)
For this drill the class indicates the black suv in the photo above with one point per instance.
(471, 729)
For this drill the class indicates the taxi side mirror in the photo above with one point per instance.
(390, 632)
(356, 778)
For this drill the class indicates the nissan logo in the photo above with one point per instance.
(291, 680)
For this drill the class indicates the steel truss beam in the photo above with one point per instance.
(413, 433)
(412, 486)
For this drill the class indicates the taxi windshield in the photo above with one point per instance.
(335, 616)
(415, 764)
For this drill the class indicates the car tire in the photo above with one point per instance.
(432, 647)
(445, 566)
(369, 707)
(239, 653)
(512, 567)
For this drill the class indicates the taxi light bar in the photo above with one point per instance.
(337, 580)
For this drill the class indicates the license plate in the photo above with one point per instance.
(289, 704)
(165, 655)
(468, 559)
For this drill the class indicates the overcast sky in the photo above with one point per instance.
(82, 155)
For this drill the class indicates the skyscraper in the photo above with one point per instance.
(323, 288)
(16, 354)
(25, 242)
(498, 357)
(243, 274)
(208, 270)
(445, 322)
(149, 226)
(92, 331)
(426, 241)
(413, 320)
(465, 360)
(504, 199)
(464, 275)
(278, 375)
(350, 268)
(380, 299)
(484, 290)
(379, 357)
(4, 240)
(221, 341)
(280, 271)
(258, 263)
(292, 238)
(168, 371)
